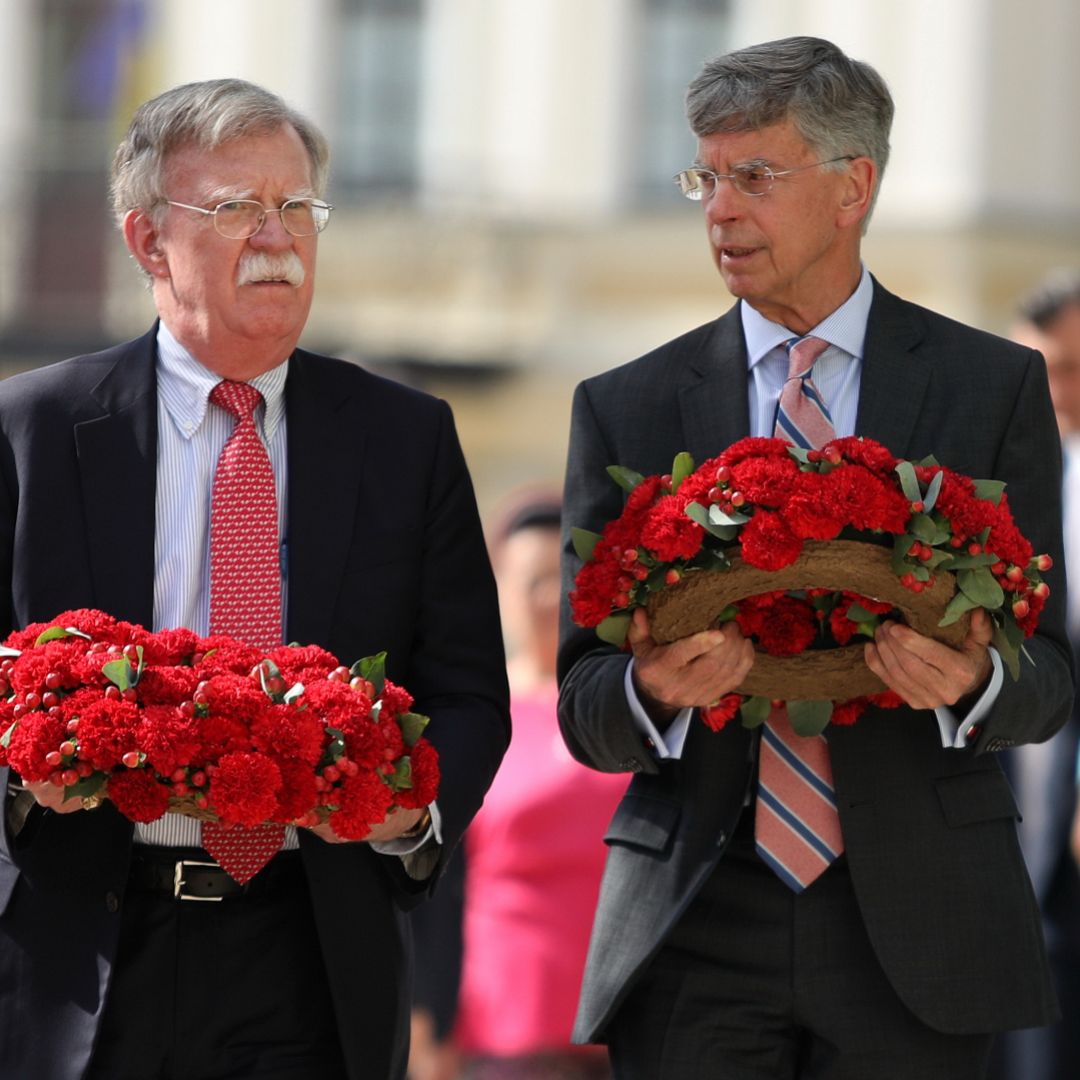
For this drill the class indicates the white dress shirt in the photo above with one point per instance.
(837, 374)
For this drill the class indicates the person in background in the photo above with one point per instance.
(369, 540)
(534, 853)
(891, 931)
(1044, 775)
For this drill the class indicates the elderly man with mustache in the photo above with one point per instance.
(368, 540)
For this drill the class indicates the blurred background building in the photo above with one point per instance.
(505, 222)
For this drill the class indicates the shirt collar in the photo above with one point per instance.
(184, 387)
(845, 327)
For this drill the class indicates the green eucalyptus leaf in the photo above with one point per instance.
(5, 739)
(957, 606)
(909, 482)
(809, 717)
(119, 673)
(402, 778)
(696, 512)
(800, 454)
(981, 586)
(932, 492)
(584, 542)
(54, 633)
(901, 545)
(412, 726)
(928, 462)
(626, 478)
(613, 629)
(858, 614)
(989, 489)
(87, 786)
(681, 468)
(754, 711)
(719, 517)
(1007, 650)
(966, 562)
(294, 691)
(372, 668)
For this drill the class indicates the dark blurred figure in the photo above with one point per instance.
(1044, 775)
(533, 857)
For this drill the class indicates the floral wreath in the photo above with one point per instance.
(209, 727)
(765, 505)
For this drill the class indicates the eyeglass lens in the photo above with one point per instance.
(242, 218)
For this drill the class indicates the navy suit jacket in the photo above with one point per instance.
(385, 552)
(929, 832)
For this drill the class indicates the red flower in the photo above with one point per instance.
(363, 800)
(138, 795)
(768, 543)
(424, 765)
(244, 789)
(716, 716)
(788, 627)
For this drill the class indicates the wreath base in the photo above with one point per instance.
(693, 604)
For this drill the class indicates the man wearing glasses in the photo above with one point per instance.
(116, 961)
(918, 936)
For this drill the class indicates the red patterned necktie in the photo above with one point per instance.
(245, 587)
(796, 826)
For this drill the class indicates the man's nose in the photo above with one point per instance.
(272, 233)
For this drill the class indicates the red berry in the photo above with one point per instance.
(67, 748)
(131, 759)
(738, 498)
(918, 506)
(974, 548)
(716, 494)
(955, 542)
(621, 600)
(363, 686)
(187, 708)
(1020, 608)
(1043, 562)
(1014, 573)
(1042, 590)
(52, 680)
(180, 789)
(179, 775)
(723, 474)
(53, 758)
(199, 778)
(332, 774)
(832, 455)
(72, 724)
(112, 693)
(926, 553)
(70, 777)
(672, 576)
(84, 768)
(50, 700)
(32, 700)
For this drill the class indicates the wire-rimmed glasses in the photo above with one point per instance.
(238, 219)
(754, 178)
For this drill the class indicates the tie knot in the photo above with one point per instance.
(239, 398)
(802, 354)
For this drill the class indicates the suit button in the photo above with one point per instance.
(112, 903)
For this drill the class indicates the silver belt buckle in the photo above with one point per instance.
(179, 882)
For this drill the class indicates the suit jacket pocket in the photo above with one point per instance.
(642, 821)
(967, 798)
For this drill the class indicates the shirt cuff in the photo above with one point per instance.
(668, 745)
(954, 731)
(408, 845)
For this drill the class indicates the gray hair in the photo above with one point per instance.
(839, 106)
(206, 114)
(1056, 293)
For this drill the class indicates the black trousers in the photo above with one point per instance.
(208, 990)
(757, 982)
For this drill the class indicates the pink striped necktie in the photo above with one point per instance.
(245, 587)
(796, 825)
(802, 417)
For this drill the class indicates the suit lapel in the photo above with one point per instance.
(895, 377)
(326, 433)
(117, 462)
(713, 400)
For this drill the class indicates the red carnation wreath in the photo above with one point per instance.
(754, 535)
(209, 727)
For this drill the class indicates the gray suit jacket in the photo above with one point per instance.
(930, 833)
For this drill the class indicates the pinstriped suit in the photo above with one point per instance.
(930, 833)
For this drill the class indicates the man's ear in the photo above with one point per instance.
(142, 239)
(858, 191)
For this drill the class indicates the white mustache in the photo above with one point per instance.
(261, 266)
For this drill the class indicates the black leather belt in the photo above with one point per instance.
(185, 875)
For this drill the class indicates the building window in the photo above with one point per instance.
(376, 147)
(677, 37)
